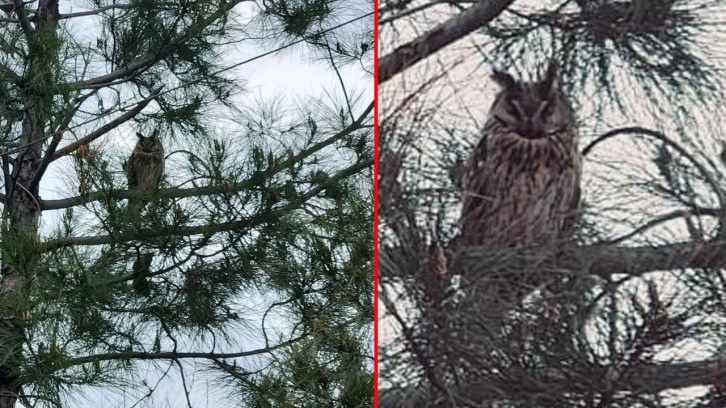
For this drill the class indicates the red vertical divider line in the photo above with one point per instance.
(375, 202)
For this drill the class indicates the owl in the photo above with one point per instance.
(145, 166)
(521, 184)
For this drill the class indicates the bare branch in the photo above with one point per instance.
(122, 73)
(660, 220)
(639, 130)
(398, 14)
(23, 16)
(94, 11)
(177, 355)
(440, 36)
(105, 128)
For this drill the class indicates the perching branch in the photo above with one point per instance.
(211, 228)
(643, 378)
(604, 260)
(198, 191)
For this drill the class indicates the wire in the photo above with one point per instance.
(182, 85)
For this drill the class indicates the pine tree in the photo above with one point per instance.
(249, 266)
(634, 316)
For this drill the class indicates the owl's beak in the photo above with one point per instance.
(530, 131)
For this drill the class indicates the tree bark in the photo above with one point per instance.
(440, 36)
(605, 260)
(20, 235)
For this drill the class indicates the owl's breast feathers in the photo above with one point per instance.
(144, 169)
(520, 191)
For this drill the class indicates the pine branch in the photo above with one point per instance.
(135, 68)
(170, 355)
(211, 228)
(11, 75)
(199, 191)
(644, 378)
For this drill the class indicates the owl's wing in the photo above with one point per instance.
(475, 165)
(570, 220)
(132, 175)
(475, 188)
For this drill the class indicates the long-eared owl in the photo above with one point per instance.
(145, 166)
(521, 183)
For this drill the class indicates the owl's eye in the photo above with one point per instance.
(548, 108)
(512, 108)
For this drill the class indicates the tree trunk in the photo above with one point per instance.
(22, 209)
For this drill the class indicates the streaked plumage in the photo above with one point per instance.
(145, 166)
(521, 184)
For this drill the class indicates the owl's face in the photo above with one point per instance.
(533, 110)
(148, 144)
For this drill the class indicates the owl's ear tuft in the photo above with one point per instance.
(139, 135)
(551, 81)
(503, 79)
(154, 134)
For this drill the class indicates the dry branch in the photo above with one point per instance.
(440, 36)
(105, 128)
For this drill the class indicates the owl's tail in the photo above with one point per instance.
(135, 205)
(141, 269)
